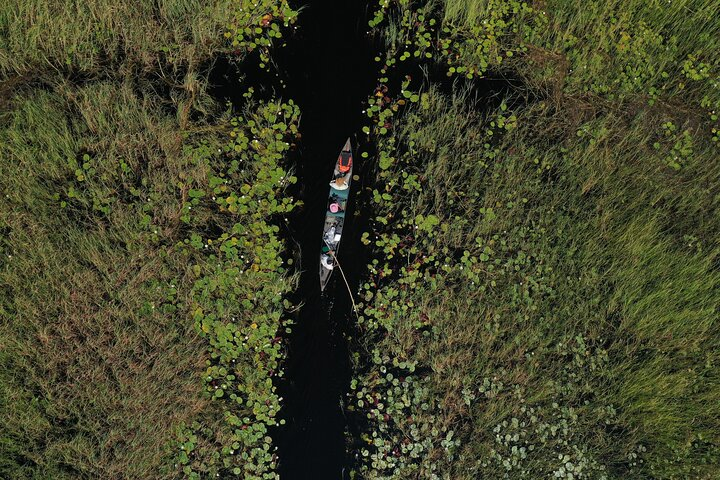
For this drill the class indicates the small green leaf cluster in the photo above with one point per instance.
(88, 189)
(468, 44)
(629, 51)
(256, 26)
(393, 400)
(472, 47)
(680, 145)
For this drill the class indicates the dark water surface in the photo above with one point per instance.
(327, 67)
(329, 71)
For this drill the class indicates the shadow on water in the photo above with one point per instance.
(329, 70)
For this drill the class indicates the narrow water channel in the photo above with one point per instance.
(329, 70)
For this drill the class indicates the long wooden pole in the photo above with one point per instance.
(330, 251)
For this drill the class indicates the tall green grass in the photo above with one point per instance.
(126, 223)
(636, 51)
(170, 38)
(97, 372)
(542, 296)
(564, 305)
(142, 286)
(86, 36)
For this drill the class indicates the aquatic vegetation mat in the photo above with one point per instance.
(541, 299)
(141, 273)
(237, 299)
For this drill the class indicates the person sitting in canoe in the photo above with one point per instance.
(344, 164)
(327, 261)
(337, 202)
(338, 183)
(330, 235)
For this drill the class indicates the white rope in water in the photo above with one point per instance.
(330, 251)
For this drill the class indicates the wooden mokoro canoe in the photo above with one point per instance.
(335, 213)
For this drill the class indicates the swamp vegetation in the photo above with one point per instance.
(142, 278)
(542, 299)
(540, 219)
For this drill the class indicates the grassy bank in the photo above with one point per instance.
(544, 291)
(102, 36)
(93, 362)
(141, 279)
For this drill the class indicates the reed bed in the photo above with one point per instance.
(543, 292)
